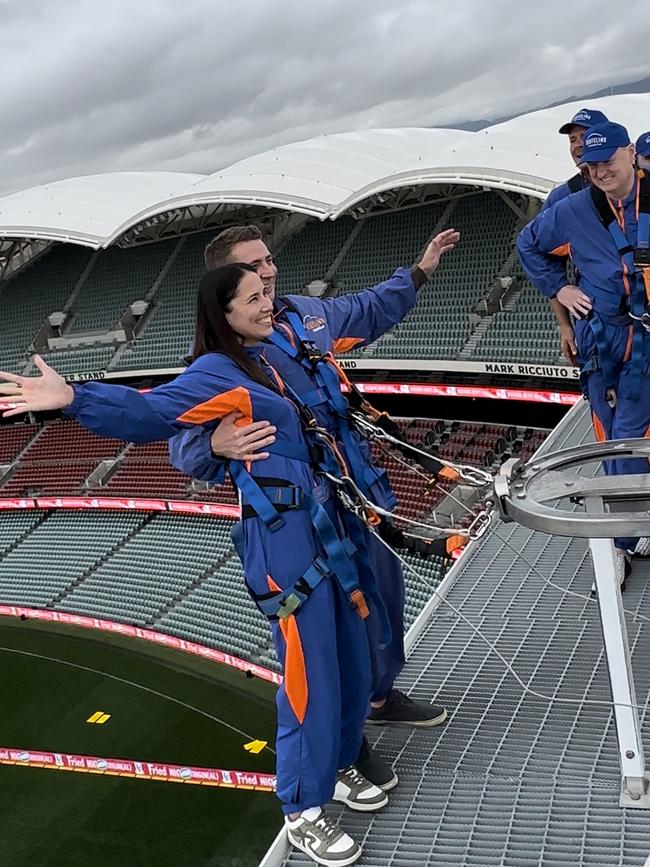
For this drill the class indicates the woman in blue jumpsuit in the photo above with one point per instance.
(323, 644)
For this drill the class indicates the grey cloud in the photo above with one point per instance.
(193, 86)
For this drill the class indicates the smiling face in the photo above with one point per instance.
(256, 254)
(615, 176)
(250, 313)
(576, 142)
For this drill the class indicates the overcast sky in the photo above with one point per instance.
(192, 85)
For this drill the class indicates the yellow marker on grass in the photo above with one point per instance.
(99, 718)
(255, 746)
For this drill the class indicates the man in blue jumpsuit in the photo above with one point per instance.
(574, 130)
(606, 229)
(334, 325)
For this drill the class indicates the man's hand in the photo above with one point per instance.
(575, 301)
(442, 243)
(35, 393)
(237, 443)
(568, 344)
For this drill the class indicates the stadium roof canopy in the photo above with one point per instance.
(322, 177)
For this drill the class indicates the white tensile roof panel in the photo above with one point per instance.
(323, 176)
(87, 210)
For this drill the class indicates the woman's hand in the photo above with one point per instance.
(35, 393)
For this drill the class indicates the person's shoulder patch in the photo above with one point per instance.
(313, 323)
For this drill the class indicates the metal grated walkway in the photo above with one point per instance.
(512, 780)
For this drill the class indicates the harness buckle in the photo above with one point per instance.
(610, 397)
(642, 257)
(290, 604)
(358, 601)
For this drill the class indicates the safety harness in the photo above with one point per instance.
(635, 305)
(358, 420)
(576, 183)
(268, 498)
(342, 557)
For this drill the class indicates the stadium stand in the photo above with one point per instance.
(310, 253)
(487, 228)
(31, 295)
(58, 460)
(353, 253)
(167, 335)
(118, 278)
(14, 438)
(176, 573)
(58, 552)
(524, 331)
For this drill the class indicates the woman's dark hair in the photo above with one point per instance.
(213, 332)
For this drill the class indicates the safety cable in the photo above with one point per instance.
(508, 666)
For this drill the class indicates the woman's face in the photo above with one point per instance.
(251, 310)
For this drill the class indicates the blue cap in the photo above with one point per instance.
(602, 141)
(643, 144)
(586, 117)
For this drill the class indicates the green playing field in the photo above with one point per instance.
(165, 707)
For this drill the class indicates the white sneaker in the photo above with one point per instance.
(358, 793)
(623, 569)
(642, 548)
(322, 840)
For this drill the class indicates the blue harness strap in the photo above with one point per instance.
(328, 390)
(336, 558)
(634, 261)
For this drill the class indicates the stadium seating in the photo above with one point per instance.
(167, 336)
(309, 254)
(60, 551)
(365, 252)
(14, 438)
(29, 297)
(58, 460)
(526, 333)
(175, 573)
(439, 325)
(117, 278)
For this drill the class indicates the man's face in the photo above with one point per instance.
(643, 162)
(256, 253)
(576, 142)
(616, 175)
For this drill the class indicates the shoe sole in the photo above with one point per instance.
(339, 862)
(386, 787)
(418, 724)
(360, 807)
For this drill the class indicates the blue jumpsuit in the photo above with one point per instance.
(337, 325)
(323, 647)
(562, 191)
(605, 340)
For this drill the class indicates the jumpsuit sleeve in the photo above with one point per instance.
(198, 396)
(541, 245)
(190, 452)
(556, 195)
(360, 318)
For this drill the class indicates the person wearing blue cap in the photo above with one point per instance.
(606, 229)
(643, 151)
(574, 129)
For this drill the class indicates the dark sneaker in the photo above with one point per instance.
(400, 710)
(371, 766)
(323, 841)
(623, 570)
(641, 549)
(357, 793)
